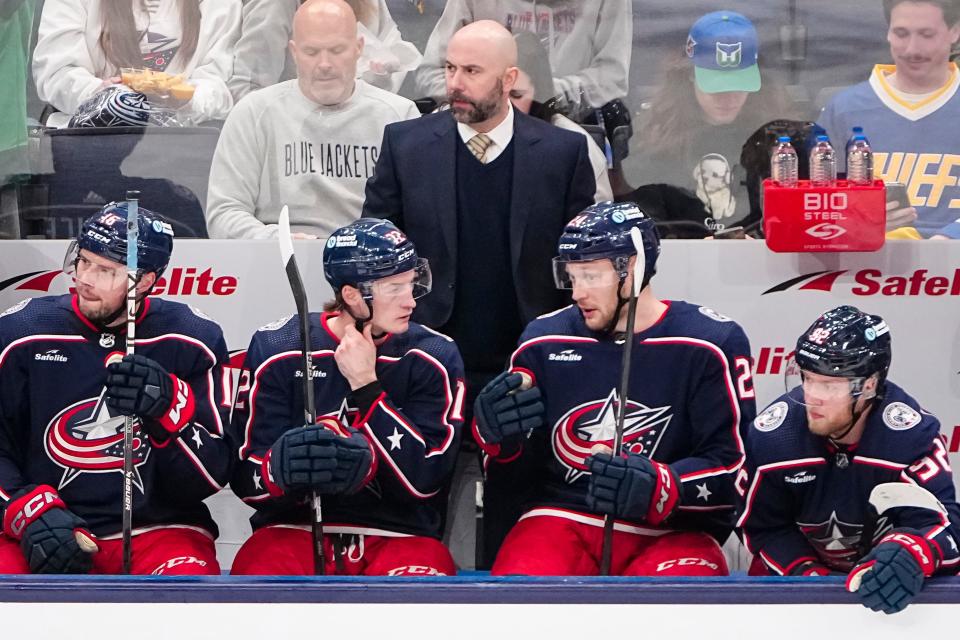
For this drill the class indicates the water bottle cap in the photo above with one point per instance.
(783, 139)
(822, 138)
(858, 129)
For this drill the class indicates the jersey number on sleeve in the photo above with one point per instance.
(744, 378)
(929, 466)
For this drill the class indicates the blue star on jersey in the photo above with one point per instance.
(87, 438)
(594, 422)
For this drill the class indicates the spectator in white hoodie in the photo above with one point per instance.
(83, 44)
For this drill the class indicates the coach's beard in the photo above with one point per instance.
(480, 110)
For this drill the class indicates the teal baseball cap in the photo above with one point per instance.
(723, 46)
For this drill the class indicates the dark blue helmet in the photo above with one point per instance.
(603, 231)
(370, 249)
(846, 343)
(105, 234)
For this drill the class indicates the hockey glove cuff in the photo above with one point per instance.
(632, 487)
(52, 538)
(892, 574)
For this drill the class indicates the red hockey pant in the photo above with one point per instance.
(288, 551)
(547, 545)
(169, 551)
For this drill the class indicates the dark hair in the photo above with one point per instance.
(337, 305)
(950, 9)
(675, 111)
(120, 40)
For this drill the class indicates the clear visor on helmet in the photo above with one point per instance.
(417, 283)
(88, 272)
(590, 274)
(819, 389)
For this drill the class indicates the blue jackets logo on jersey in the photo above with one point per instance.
(834, 540)
(594, 422)
(86, 438)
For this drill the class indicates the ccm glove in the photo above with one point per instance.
(312, 458)
(632, 487)
(504, 410)
(892, 574)
(52, 538)
(139, 386)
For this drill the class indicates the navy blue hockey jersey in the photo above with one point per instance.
(808, 498)
(414, 426)
(690, 399)
(56, 429)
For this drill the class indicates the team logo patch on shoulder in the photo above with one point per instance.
(772, 417)
(713, 315)
(276, 324)
(900, 417)
(17, 307)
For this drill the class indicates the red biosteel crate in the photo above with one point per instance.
(841, 217)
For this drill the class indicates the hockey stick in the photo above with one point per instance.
(887, 496)
(133, 239)
(309, 404)
(638, 272)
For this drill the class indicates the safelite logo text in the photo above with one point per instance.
(177, 281)
(873, 282)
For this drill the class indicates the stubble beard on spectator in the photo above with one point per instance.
(481, 110)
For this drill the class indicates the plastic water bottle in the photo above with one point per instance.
(823, 163)
(856, 131)
(860, 161)
(783, 163)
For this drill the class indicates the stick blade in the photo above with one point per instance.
(890, 495)
(286, 240)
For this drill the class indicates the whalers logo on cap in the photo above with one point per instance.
(729, 54)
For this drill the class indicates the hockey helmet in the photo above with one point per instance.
(105, 234)
(846, 343)
(370, 249)
(603, 231)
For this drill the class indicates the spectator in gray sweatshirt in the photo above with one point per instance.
(309, 143)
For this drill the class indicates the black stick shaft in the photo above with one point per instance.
(133, 239)
(607, 550)
(309, 403)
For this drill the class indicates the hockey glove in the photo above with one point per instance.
(52, 538)
(313, 458)
(503, 410)
(632, 487)
(139, 386)
(892, 574)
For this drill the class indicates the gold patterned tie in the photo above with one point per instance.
(478, 145)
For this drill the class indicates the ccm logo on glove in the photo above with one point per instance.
(181, 401)
(666, 487)
(44, 498)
